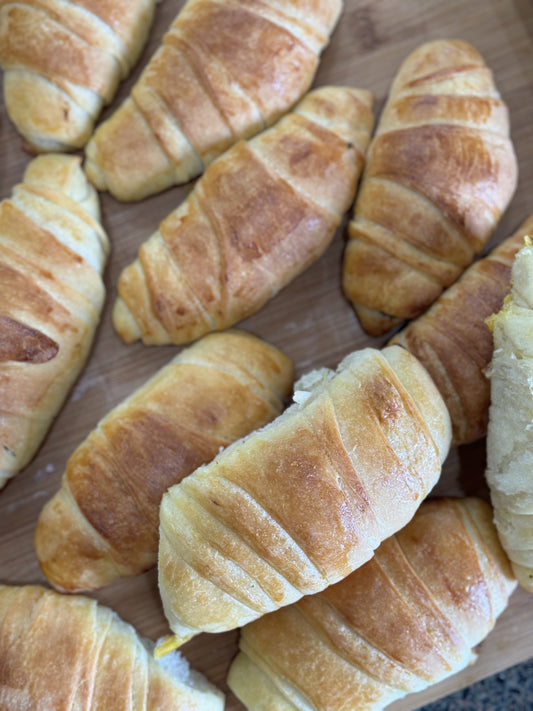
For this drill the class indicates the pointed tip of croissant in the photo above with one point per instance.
(92, 170)
(124, 322)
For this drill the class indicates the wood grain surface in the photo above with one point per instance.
(309, 319)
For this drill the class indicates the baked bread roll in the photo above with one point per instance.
(440, 171)
(454, 343)
(52, 254)
(68, 652)
(259, 216)
(225, 70)
(63, 62)
(405, 620)
(209, 395)
(299, 504)
(509, 432)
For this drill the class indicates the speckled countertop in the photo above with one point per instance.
(511, 690)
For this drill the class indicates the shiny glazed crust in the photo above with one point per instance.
(225, 70)
(440, 172)
(52, 255)
(212, 393)
(298, 505)
(63, 62)
(66, 651)
(259, 216)
(408, 618)
(454, 343)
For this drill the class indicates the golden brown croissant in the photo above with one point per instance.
(298, 505)
(510, 428)
(454, 343)
(402, 622)
(68, 652)
(52, 254)
(63, 62)
(259, 216)
(225, 70)
(209, 395)
(440, 171)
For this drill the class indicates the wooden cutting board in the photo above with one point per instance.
(309, 319)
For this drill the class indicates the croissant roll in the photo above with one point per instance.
(63, 62)
(405, 620)
(454, 343)
(104, 521)
(52, 254)
(69, 652)
(259, 216)
(441, 170)
(225, 70)
(298, 505)
(509, 432)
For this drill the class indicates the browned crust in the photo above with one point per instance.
(403, 621)
(440, 172)
(51, 300)
(20, 343)
(223, 72)
(454, 342)
(259, 216)
(303, 502)
(71, 650)
(104, 521)
(63, 62)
